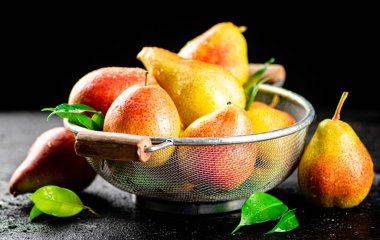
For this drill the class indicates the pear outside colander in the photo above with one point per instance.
(187, 175)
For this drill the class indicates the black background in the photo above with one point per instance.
(326, 50)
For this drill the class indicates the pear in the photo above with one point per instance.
(267, 118)
(224, 45)
(147, 111)
(100, 87)
(336, 169)
(197, 88)
(274, 154)
(222, 167)
(52, 160)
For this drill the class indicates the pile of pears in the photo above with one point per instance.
(197, 92)
(204, 83)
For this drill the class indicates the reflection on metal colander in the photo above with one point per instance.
(214, 170)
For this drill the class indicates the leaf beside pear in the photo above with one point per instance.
(287, 223)
(260, 207)
(56, 201)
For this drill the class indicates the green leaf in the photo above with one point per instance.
(82, 120)
(253, 92)
(257, 75)
(260, 207)
(251, 87)
(56, 201)
(74, 108)
(78, 114)
(35, 212)
(48, 109)
(287, 223)
(98, 119)
(64, 108)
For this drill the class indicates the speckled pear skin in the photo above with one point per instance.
(99, 88)
(222, 167)
(266, 118)
(227, 121)
(197, 88)
(336, 169)
(146, 111)
(224, 45)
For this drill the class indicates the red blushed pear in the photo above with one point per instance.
(336, 169)
(146, 111)
(222, 167)
(99, 88)
(223, 44)
(52, 160)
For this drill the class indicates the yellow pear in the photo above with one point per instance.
(274, 154)
(224, 45)
(336, 169)
(266, 118)
(197, 88)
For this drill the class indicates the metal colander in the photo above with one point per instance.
(213, 169)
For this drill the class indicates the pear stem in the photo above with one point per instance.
(236, 229)
(91, 210)
(275, 101)
(339, 107)
(242, 29)
(146, 78)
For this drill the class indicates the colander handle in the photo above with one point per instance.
(112, 146)
(275, 71)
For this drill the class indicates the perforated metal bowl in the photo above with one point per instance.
(213, 170)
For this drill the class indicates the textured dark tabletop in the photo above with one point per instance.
(121, 219)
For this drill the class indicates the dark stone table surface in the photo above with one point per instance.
(120, 218)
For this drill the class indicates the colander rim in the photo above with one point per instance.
(282, 92)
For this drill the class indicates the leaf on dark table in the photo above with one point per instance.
(35, 212)
(260, 207)
(287, 222)
(58, 202)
